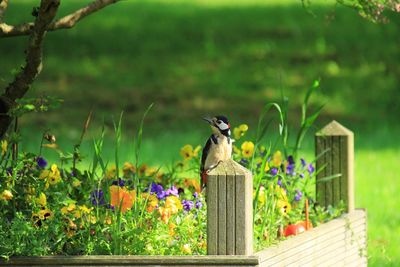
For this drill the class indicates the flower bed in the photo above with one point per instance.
(136, 209)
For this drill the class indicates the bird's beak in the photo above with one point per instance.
(208, 120)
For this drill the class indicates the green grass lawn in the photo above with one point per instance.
(195, 58)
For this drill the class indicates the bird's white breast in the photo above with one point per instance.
(218, 152)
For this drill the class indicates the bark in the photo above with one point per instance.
(65, 22)
(33, 62)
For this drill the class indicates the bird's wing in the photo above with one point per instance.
(204, 153)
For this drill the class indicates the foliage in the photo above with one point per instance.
(135, 209)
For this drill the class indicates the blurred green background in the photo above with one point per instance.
(196, 58)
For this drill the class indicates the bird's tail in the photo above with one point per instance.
(203, 177)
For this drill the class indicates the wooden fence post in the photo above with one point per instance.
(229, 210)
(334, 148)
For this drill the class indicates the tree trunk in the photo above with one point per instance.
(5, 120)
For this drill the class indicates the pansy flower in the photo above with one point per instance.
(128, 169)
(41, 200)
(247, 149)
(6, 195)
(187, 152)
(41, 162)
(277, 159)
(121, 197)
(97, 197)
(187, 204)
(240, 131)
(310, 169)
(52, 176)
(173, 203)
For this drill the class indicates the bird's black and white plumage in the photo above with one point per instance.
(218, 147)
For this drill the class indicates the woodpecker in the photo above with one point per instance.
(218, 147)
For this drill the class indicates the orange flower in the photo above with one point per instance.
(152, 203)
(194, 183)
(121, 197)
(165, 214)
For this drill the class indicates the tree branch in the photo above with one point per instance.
(22, 82)
(65, 22)
(3, 8)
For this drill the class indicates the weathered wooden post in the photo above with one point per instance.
(229, 210)
(334, 148)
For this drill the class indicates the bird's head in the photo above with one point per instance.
(219, 125)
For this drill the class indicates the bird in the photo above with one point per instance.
(218, 147)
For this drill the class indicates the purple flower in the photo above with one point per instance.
(158, 190)
(279, 182)
(274, 171)
(243, 161)
(310, 168)
(97, 197)
(195, 194)
(187, 204)
(172, 191)
(199, 204)
(111, 207)
(290, 169)
(303, 162)
(120, 182)
(73, 173)
(301, 175)
(290, 160)
(155, 188)
(41, 162)
(298, 195)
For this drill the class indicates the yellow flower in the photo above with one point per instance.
(85, 209)
(150, 171)
(108, 220)
(52, 176)
(45, 214)
(261, 195)
(6, 195)
(128, 169)
(66, 209)
(111, 172)
(186, 249)
(41, 216)
(240, 131)
(165, 214)
(92, 219)
(247, 149)
(173, 203)
(277, 159)
(76, 183)
(152, 203)
(283, 206)
(4, 145)
(171, 227)
(187, 152)
(267, 168)
(282, 203)
(41, 200)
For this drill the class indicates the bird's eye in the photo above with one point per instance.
(219, 121)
